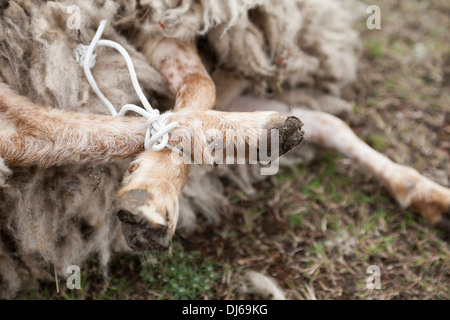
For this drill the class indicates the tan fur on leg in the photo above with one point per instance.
(407, 186)
(184, 72)
(149, 197)
(34, 135)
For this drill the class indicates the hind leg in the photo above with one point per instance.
(411, 189)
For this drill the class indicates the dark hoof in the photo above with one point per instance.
(290, 133)
(143, 225)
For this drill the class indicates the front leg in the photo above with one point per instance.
(148, 200)
(34, 135)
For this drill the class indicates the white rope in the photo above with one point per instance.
(158, 128)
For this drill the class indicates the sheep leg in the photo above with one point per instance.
(149, 197)
(35, 135)
(179, 63)
(148, 200)
(410, 189)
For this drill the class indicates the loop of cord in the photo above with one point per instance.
(158, 128)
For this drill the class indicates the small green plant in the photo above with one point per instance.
(375, 48)
(378, 142)
(183, 275)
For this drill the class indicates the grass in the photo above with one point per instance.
(181, 276)
(378, 142)
(375, 48)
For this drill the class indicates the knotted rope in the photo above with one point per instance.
(158, 128)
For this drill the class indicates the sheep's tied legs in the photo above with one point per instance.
(35, 135)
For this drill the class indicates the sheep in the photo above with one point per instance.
(67, 168)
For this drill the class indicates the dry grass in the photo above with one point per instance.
(316, 229)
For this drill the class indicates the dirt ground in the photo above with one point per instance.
(317, 229)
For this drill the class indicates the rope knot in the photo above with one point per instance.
(80, 54)
(159, 127)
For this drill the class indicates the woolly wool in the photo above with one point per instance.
(60, 216)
